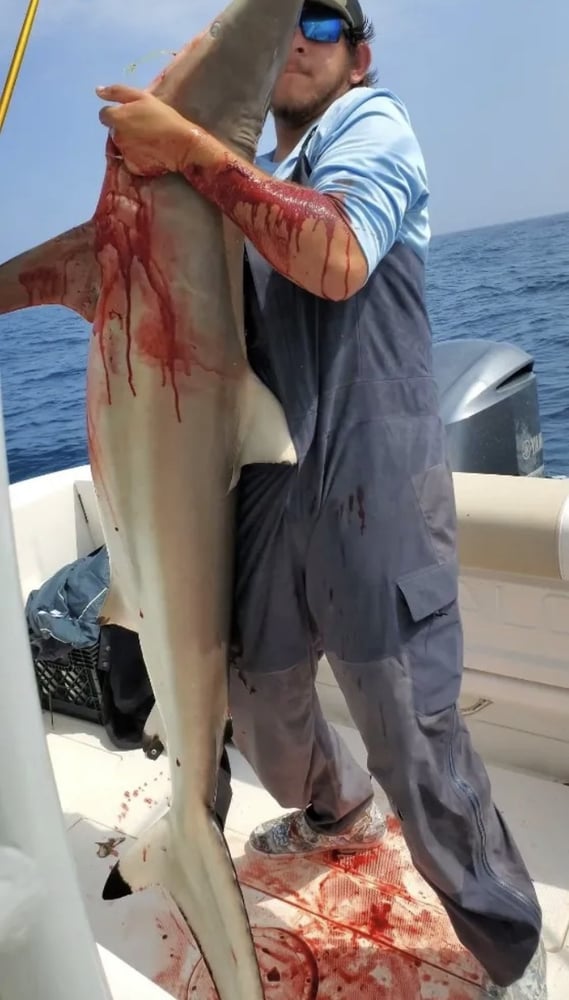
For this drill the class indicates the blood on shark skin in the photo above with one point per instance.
(264, 209)
(125, 245)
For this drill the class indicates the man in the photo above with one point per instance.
(352, 553)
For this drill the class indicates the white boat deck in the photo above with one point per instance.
(325, 929)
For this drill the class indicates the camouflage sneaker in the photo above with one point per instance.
(532, 985)
(291, 834)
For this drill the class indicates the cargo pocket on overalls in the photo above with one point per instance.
(431, 635)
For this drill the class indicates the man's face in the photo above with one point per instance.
(315, 74)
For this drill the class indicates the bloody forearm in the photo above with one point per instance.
(300, 232)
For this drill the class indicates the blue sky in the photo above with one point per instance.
(486, 83)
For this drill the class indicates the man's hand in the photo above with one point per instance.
(151, 136)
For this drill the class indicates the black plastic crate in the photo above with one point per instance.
(72, 686)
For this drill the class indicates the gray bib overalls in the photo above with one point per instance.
(353, 554)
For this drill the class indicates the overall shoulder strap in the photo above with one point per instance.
(303, 169)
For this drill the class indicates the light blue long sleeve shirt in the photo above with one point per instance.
(364, 150)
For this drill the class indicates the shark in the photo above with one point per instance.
(173, 413)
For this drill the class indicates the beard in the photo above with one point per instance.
(301, 112)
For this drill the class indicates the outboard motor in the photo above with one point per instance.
(489, 405)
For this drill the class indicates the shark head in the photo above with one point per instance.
(223, 79)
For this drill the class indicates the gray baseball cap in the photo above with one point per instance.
(349, 10)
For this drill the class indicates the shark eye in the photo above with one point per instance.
(215, 29)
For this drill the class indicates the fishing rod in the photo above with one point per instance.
(17, 58)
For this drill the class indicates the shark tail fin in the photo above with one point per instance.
(198, 873)
(63, 271)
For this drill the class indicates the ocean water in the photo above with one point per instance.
(504, 283)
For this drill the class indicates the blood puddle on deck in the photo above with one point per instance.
(337, 927)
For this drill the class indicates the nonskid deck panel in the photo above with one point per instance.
(332, 927)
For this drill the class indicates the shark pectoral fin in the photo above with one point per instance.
(264, 435)
(142, 865)
(63, 271)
